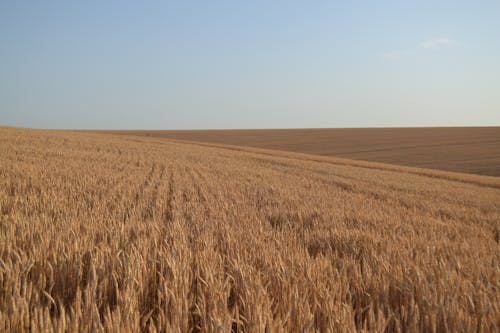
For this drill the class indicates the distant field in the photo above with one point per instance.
(461, 149)
(111, 233)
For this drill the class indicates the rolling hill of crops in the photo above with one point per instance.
(459, 149)
(125, 233)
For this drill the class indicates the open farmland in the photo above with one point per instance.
(117, 233)
(460, 149)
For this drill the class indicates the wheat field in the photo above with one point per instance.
(117, 233)
(458, 149)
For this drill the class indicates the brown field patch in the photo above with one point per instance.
(459, 149)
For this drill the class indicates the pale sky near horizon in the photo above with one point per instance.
(253, 64)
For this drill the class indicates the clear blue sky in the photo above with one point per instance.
(252, 64)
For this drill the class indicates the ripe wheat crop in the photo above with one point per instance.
(116, 233)
(459, 149)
